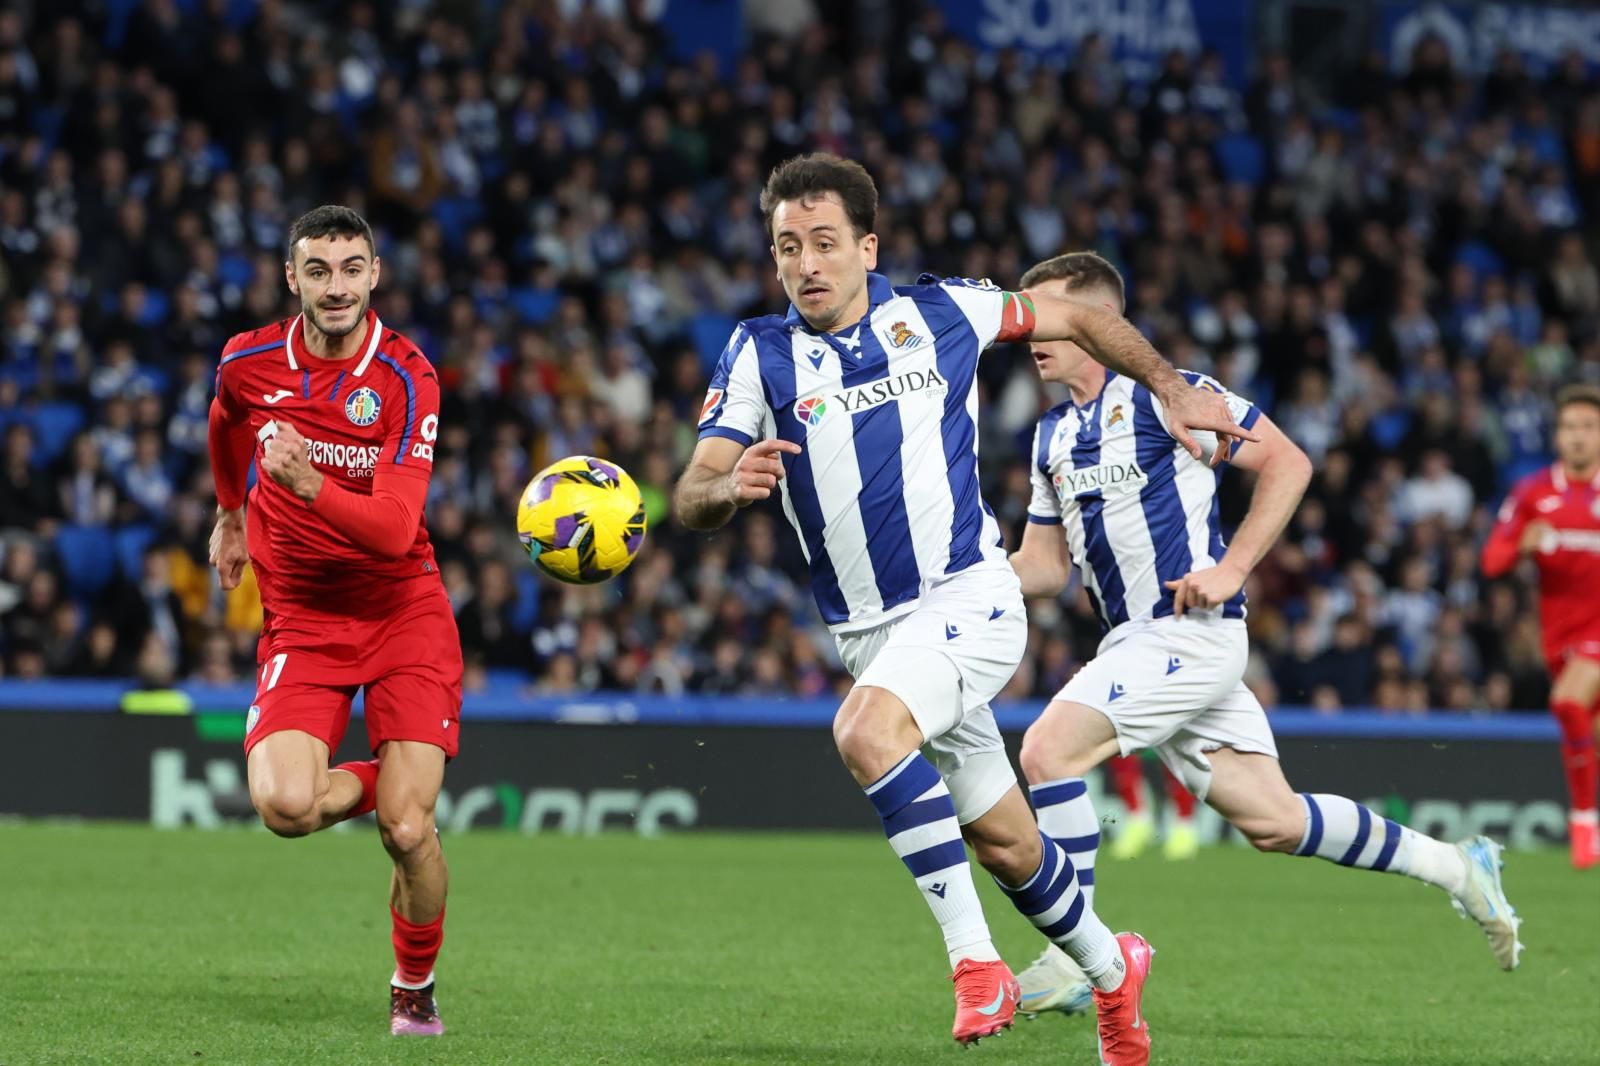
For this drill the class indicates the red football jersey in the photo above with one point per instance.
(1568, 560)
(377, 409)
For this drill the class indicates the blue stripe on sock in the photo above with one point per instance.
(1363, 831)
(1086, 876)
(903, 784)
(1068, 923)
(1314, 830)
(918, 813)
(1075, 845)
(1041, 878)
(1061, 792)
(939, 857)
(1391, 841)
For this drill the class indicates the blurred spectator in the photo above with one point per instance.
(568, 224)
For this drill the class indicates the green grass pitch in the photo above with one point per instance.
(125, 945)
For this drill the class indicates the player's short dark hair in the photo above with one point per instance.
(1578, 393)
(810, 177)
(1080, 270)
(329, 220)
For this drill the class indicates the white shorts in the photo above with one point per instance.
(1175, 685)
(946, 660)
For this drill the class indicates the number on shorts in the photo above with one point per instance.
(274, 668)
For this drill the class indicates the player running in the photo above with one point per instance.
(1553, 517)
(1141, 527)
(341, 415)
(861, 406)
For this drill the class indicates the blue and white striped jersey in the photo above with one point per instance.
(885, 494)
(1137, 508)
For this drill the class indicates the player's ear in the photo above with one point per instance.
(377, 269)
(288, 275)
(869, 251)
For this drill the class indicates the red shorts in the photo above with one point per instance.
(1556, 658)
(409, 662)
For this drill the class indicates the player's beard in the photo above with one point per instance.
(313, 315)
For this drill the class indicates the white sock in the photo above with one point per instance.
(1067, 816)
(919, 819)
(396, 982)
(1343, 831)
(1058, 908)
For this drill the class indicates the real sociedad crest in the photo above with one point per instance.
(361, 406)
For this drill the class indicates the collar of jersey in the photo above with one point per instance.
(879, 291)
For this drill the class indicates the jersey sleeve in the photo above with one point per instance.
(1044, 508)
(994, 314)
(410, 418)
(1245, 413)
(1501, 550)
(735, 406)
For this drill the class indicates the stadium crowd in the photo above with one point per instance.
(1391, 265)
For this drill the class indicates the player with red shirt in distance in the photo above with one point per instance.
(340, 415)
(1553, 517)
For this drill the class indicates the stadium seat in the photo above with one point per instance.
(456, 215)
(710, 333)
(1242, 158)
(235, 269)
(128, 544)
(54, 426)
(87, 558)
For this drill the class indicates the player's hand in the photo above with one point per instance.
(284, 461)
(758, 470)
(1211, 587)
(1538, 538)
(229, 549)
(1190, 408)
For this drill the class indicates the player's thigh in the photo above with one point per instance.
(1067, 740)
(299, 715)
(415, 689)
(1578, 681)
(287, 770)
(1250, 791)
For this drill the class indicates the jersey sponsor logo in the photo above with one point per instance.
(357, 460)
(713, 399)
(1572, 540)
(361, 406)
(1112, 477)
(811, 409)
(275, 397)
(902, 336)
(1548, 504)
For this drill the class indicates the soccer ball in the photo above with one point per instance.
(581, 520)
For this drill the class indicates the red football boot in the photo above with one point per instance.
(986, 1000)
(1124, 1033)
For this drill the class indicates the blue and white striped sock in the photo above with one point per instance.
(1067, 816)
(1343, 831)
(1052, 900)
(920, 820)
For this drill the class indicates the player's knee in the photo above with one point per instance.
(288, 814)
(1045, 756)
(405, 831)
(857, 732)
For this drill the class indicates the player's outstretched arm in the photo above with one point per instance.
(724, 476)
(1041, 562)
(1113, 342)
(1283, 472)
(229, 444)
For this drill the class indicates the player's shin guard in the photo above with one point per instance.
(1052, 900)
(919, 819)
(1343, 831)
(1067, 816)
(416, 947)
(1578, 753)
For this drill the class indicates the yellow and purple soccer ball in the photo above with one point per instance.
(581, 520)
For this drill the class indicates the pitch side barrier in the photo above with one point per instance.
(506, 701)
(594, 762)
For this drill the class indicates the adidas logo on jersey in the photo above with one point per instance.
(876, 394)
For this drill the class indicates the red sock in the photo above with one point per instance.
(1577, 752)
(416, 947)
(367, 773)
(1127, 777)
(1182, 799)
